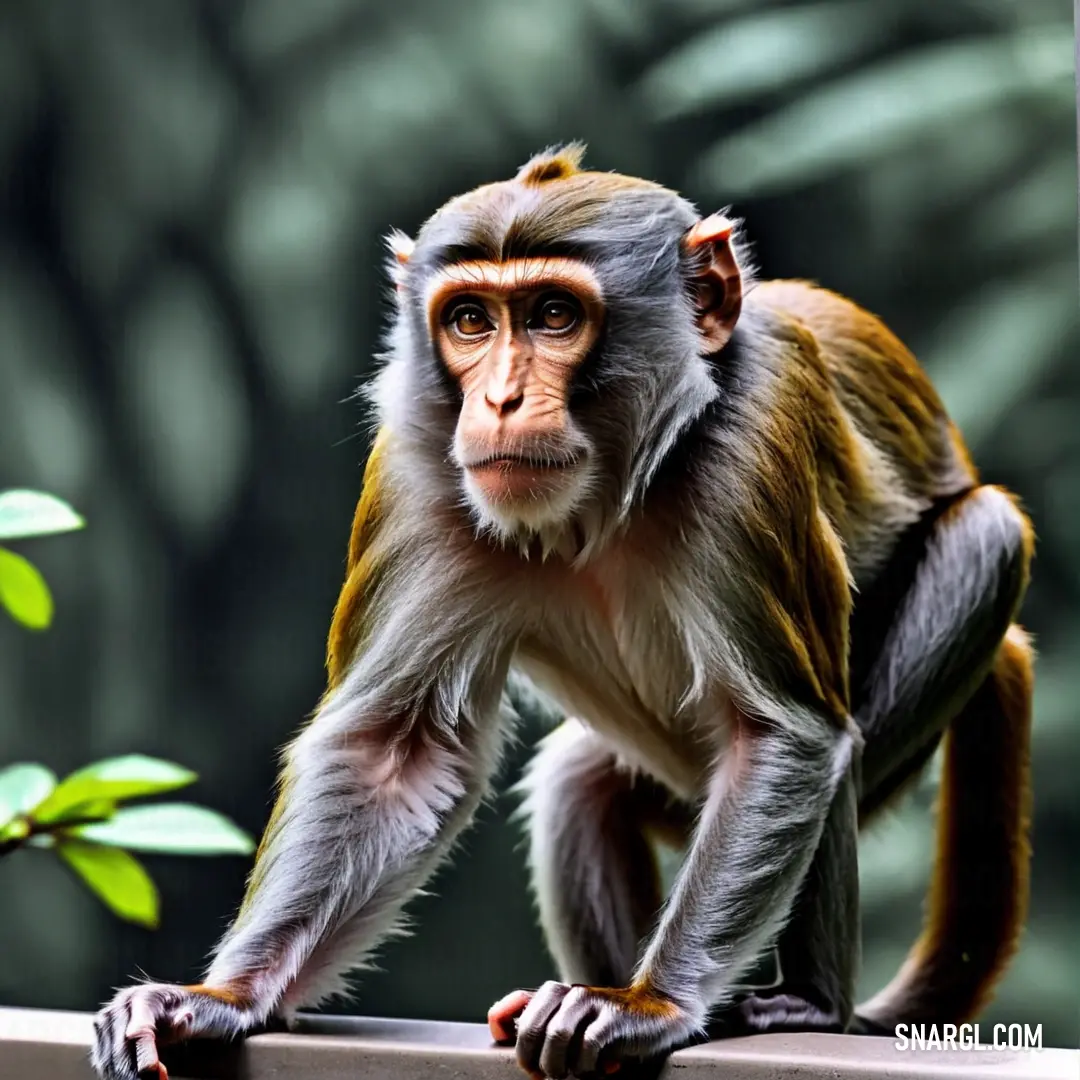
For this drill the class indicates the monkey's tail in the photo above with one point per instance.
(978, 894)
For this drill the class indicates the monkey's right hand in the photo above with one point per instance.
(129, 1030)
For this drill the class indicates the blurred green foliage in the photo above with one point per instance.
(190, 287)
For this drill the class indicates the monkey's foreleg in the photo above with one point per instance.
(592, 861)
(819, 948)
(754, 841)
(364, 816)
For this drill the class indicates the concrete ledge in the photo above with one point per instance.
(54, 1045)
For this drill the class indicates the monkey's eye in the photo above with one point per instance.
(557, 313)
(468, 320)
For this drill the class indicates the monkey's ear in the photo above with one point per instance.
(400, 247)
(717, 285)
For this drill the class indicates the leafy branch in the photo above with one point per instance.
(82, 820)
(81, 817)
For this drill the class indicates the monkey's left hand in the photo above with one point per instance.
(585, 1031)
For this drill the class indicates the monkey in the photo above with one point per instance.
(727, 525)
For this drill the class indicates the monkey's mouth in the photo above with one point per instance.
(514, 461)
(508, 477)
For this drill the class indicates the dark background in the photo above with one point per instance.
(192, 196)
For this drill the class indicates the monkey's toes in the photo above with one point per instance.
(502, 1015)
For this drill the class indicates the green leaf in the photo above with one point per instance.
(23, 591)
(173, 828)
(22, 787)
(34, 513)
(116, 877)
(113, 779)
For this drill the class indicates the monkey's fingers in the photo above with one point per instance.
(504, 1012)
(141, 1031)
(147, 1062)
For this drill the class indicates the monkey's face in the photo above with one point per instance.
(512, 336)
(550, 346)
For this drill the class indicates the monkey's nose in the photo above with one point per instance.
(506, 403)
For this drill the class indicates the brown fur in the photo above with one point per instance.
(544, 168)
(803, 478)
(346, 627)
(877, 381)
(640, 997)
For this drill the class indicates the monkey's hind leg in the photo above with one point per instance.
(941, 611)
(593, 865)
(979, 889)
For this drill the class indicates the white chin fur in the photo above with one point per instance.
(545, 517)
